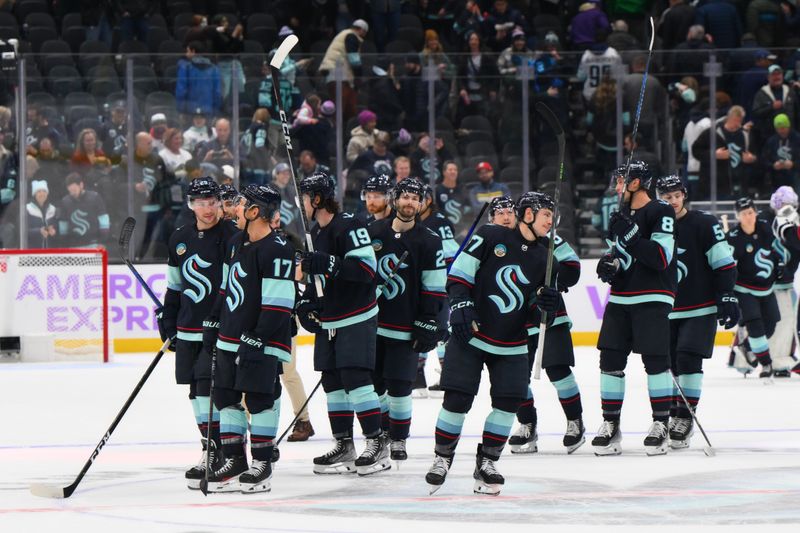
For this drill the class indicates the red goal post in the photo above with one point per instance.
(55, 300)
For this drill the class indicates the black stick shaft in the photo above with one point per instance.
(470, 232)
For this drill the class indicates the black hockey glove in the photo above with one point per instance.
(547, 299)
(626, 230)
(607, 268)
(256, 369)
(728, 310)
(425, 335)
(463, 320)
(780, 269)
(167, 329)
(210, 332)
(320, 263)
(307, 311)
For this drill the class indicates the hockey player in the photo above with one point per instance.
(376, 197)
(408, 318)
(782, 343)
(253, 337)
(344, 320)
(536, 209)
(195, 270)
(757, 266)
(641, 271)
(491, 287)
(706, 276)
(228, 195)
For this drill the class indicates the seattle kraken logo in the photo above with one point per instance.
(235, 290)
(453, 210)
(735, 152)
(625, 259)
(78, 218)
(201, 284)
(287, 212)
(683, 270)
(507, 279)
(782, 251)
(396, 285)
(763, 263)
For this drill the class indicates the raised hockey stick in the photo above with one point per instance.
(708, 449)
(204, 481)
(125, 235)
(552, 121)
(53, 491)
(379, 292)
(469, 233)
(275, 65)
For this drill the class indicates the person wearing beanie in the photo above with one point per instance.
(345, 48)
(500, 25)
(781, 154)
(362, 137)
(771, 100)
(42, 216)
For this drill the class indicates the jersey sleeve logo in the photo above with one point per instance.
(507, 279)
(763, 263)
(235, 291)
(683, 270)
(200, 283)
(396, 285)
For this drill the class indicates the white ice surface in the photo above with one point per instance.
(54, 414)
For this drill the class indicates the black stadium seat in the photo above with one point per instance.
(70, 20)
(26, 7)
(74, 36)
(39, 19)
(54, 53)
(38, 35)
(92, 54)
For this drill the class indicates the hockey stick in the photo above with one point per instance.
(52, 491)
(708, 449)
(275, 64)
(204, 481)
(125, 235)
(552, 121)
(469, 233)
(379, 292)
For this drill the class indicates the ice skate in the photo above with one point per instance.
(420, 387)
(375, 457)
(198, 472)
(656, 441)
(574, 436)
(608, 439)
(785, 373)
(340, 460)
(257, 478)
(487, 479)
(524, 440)
(435, 390)
(398, 450)
(438, 472)
(766, 374)
(225, 478)
(680, 432)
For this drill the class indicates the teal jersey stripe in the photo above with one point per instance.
(564, 252)
(227, 346)
(640, 299)
(225, 269)
(193, 337)
(174, 280)
(434, 280)
(449, 247)
(282, 355)
(104, 221)
(666, 241)
(739, 288)
(719, 255)
(393, 334)
(702, 311)
(465, 267)
(277, 292)
(498, 350)
(365, 254)
(783, 286)
(349, 321)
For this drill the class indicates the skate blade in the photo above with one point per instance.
(572, 448)
(486, 489)
(193, 484)
(419, 394)
(528, 447)
(767, 381)
(612, 449)
(229, 485)
(379, 466)
(679, 444)
(656, 450)
(435, 394)
(254, 488)
(338, 468)
(433, 489)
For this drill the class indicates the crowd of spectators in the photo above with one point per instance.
(203, 100)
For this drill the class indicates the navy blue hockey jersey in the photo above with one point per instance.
(755, 259)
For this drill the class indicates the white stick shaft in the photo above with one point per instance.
(537, 360)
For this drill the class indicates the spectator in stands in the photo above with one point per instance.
(585, 24)
(133, 16)
(414, 94)
(749, 82)
(198, 83)
(683, 97)
(773, 99)
(198, 133)
(652, 111)
(674, 23)
(698, 121)
(52, 168)
(96, 15)
(39, 126)
(345, 48)
(477, 80)
(83, 219)
(309, 166)
(511, 59)
(402, 168)
(597, 61)
(362, 137)
(471, 18)
(317, 137)
(781, 154)
(158, 127)
(433, 53)
(689, 56)
(115, 145)
(281, 177)
(42, 217)
(88, 157)
(308, 112)
(291, 100)
(229, 43)
(733, 157)
(376, 160)
(500, 24)
(621, 40)
(606, 205)
(152, 183)
(402, 143)
(219, 150)
(173, 154)
(9, 175)
(486, 188)
(420, 158)
(764, 19)
(601, 117)
(641, 153)
(255, 152)
(384, 95)
(791, 15)
(385, 16)
(720, 19)
(449, 197)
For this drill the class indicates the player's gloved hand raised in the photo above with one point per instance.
(624, 228)
(425, 335)
(167, 329)
(547, 299)
(210, 332)
(607, 268)
(463, 318)
(307, 311)
(780, 269)
(320, 263)
(728, 310)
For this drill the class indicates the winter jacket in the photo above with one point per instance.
(721, 20)
(40, 217)
(763, 113)
(198, 86)
(778, 149)
(584, 25)
(360, 142)
(480, 193)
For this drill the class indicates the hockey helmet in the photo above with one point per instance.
(410, 185)
(227, 192)
(266, 197)
(319, 183)
(636, 170)
(744, 203)
(535, 201)
(203, 187)
(670, 183)
(498, 203)
(377, 183)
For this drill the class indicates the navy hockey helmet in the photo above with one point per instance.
(536, 201)
(318, 183)
(377, 183)
(203, 187)
(637, 169)
(670, 183)
(428, 191)
(266, 197)
(227, 192)
(500, 202)
(410, 185)
(744, 203)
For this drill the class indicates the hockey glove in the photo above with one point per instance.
(307, 311)
(256, 369)
(607, 268)
(320, 263)
(780, 269)
(463, 320)
(626, 230)
(425, 335)
(547, 299)
(728, 310)
(210, 332)
(167, 329)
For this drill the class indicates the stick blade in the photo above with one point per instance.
(126, 232)
(283, 50)
(550, 117)
(709, 451)
(43, 490)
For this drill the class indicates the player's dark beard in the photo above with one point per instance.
(403, 217)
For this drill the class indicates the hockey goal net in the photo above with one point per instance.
(54, 304)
